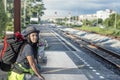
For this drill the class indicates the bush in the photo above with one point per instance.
(116, 33)
(9, 26)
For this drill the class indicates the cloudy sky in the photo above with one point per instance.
(77, 7)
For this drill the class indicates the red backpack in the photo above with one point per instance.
(11, 48)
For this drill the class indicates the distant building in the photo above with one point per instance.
(53, 18)
(34, 19)
(104, 14)
(87, 17)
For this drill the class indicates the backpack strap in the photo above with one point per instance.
(5, 44)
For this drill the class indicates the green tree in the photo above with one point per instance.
(118, 21)
(3, 18)
(106, 22)
(118, 24)
(110, 22)
(33, 8)
(87, 22)
(100, 21)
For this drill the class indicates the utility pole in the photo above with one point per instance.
(17, 19)
(69, 16)
(115, 20)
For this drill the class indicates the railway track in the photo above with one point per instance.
(108, 57)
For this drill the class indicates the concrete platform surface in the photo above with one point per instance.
(59, 59)
(61, 67)
(64, 77)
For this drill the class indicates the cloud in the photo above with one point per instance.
(76, 7)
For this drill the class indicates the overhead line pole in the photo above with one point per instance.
(5, 4)
(17, 15)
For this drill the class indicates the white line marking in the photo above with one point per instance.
(98, 73)
(94, 70)
(91, 67)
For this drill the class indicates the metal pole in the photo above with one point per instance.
(5, 3)
(17, 19)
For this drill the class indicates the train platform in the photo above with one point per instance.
(60, 67)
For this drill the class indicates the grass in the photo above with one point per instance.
(103, 31)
